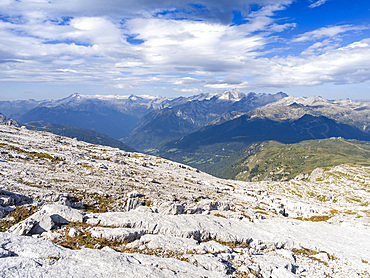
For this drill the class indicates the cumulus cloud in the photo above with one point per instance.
(345, 65)
(210, 10)
(127, 44)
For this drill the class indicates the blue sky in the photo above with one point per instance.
(52, 48)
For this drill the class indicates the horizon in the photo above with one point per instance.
(173, 97)
(51, 50)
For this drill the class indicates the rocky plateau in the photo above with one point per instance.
(74, 209)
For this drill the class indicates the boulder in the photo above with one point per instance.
(48, 218)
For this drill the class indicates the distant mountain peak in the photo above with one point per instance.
(289, 100)
(231, 95)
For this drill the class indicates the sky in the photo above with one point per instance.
(50, 49)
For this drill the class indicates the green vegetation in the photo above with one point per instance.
(277, 161)
(272, 160)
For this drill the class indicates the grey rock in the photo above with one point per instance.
(133, 203)
(48, 218)
(41, 258)
(3, 212)
(7, 121)
(171, 208)
(23, 228)
(133, 194)
(209, 262)
(117, 234)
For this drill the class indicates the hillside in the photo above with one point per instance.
(213, 147)
(67, 203)
(80, 134)
(277, 161)
(92, 115)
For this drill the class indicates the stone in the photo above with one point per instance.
(117, 234)
(133, 194)
(133, 203)
(171, 208)
(74, 232)
(48, 218)
(224, 238)
(32, 257)
(23, 228)
(3, 212)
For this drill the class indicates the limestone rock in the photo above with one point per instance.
(117, 234)
(74, 232)
(48, 218)
(133, 203)
(23, 228)
(171, 208)
(31, 257)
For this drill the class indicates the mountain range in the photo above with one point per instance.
(207, 131)
(115, 116)
(144, 120)
(178, 118)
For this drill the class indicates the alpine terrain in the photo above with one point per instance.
(73, 209)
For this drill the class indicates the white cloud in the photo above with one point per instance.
(327, 32)
(215, 10)
(228, 86)
(190, 91)
(346, 65)
(187, 81)
(120, 86)
(50, 42)
(317, 3)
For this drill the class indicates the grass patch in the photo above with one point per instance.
(220, 215)
(315, 218)
(84, 240)
(34, 155)
(16, 216)
(231, 245)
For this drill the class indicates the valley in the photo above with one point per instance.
(207, 131)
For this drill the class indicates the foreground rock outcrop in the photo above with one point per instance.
(72, 209)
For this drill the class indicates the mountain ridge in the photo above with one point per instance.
(80, 134)
(211, 146)
(183, 118)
